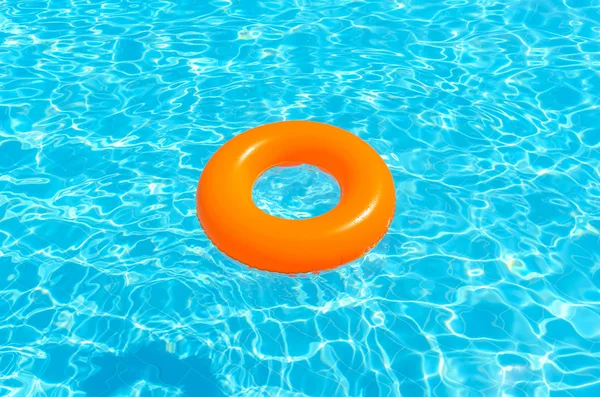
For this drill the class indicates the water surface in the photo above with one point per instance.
(486, 112)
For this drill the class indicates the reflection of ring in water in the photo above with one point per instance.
(241, 230)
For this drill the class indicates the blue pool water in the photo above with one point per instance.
(487, 113)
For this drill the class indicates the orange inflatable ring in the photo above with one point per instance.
(241, 230)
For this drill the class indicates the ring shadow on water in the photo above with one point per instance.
(153, 364)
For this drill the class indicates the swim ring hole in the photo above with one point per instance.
(296, 192)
